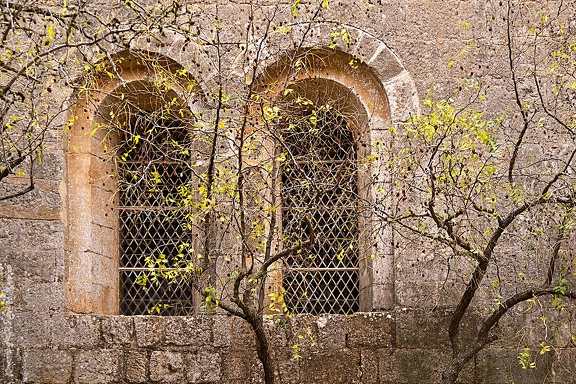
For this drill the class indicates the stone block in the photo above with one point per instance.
(288, 371)
(105, 296)
(104, 241)
(76, 331)
(304, 333)
(415, 293)
(385, 64)
(46, 366)
(167, 367)
(410, 366)
(204, 366)
(368, 371)
(11, 235)
(31, 329)
(236, 365)
(103, 269)
(370, 330)
(221, 331)
(37, 265)
(403, 97)
(414, 328)
(500, 365)
(366, 47)
(330, 367)
(195, 331)
(149, 330)
(97, 367)
(42, 203)
(331, 332)
(117, 330)
(136, 363)
(242, 334)
(276, 329)
(565, 364)
(104, 204)
(51, 165)
(5, 371)
(42, 297)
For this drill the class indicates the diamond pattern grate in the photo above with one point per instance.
(160, 296)
(152, 226)
(319, 181)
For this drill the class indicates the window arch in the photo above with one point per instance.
(352, 100)
(130, 146)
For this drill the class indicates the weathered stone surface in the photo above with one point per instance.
(276, 329)
(236, 366)
(31, 330)
(288, 371)
(368, 371)
(497, 365)
(136, 364)
(242, 334)
(335, 367)
(221, 331)
(370, 330)
(204, 366)
(97, 367)
(385, 63)
(43, 297)
(167, 367)
(410, 366)
(77, 331)
(46, 366)
(117, 330)
(37, 265)
(149, 330)
(414, 329)
(58, 243)
(331, 332)
(189, 331)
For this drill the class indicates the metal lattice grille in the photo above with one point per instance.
(319, 181)
(152, 165)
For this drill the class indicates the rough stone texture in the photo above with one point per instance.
(335, 366)
(76, 332)
(55, 331)
(47, 366)
(167, 367)
(149, 330)
(97, 367)
(371, 330)
(204, 366)
(136, 363)
(117, 330)
(186, 331)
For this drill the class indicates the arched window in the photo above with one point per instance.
(335, 116)
(131, 173)
(320, 184)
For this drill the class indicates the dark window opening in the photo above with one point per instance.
(153, 163)
(319, 182)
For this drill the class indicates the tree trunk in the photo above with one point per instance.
(450, 375)
(263, 348)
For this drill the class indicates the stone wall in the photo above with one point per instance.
(404, 346)
(408, 44)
